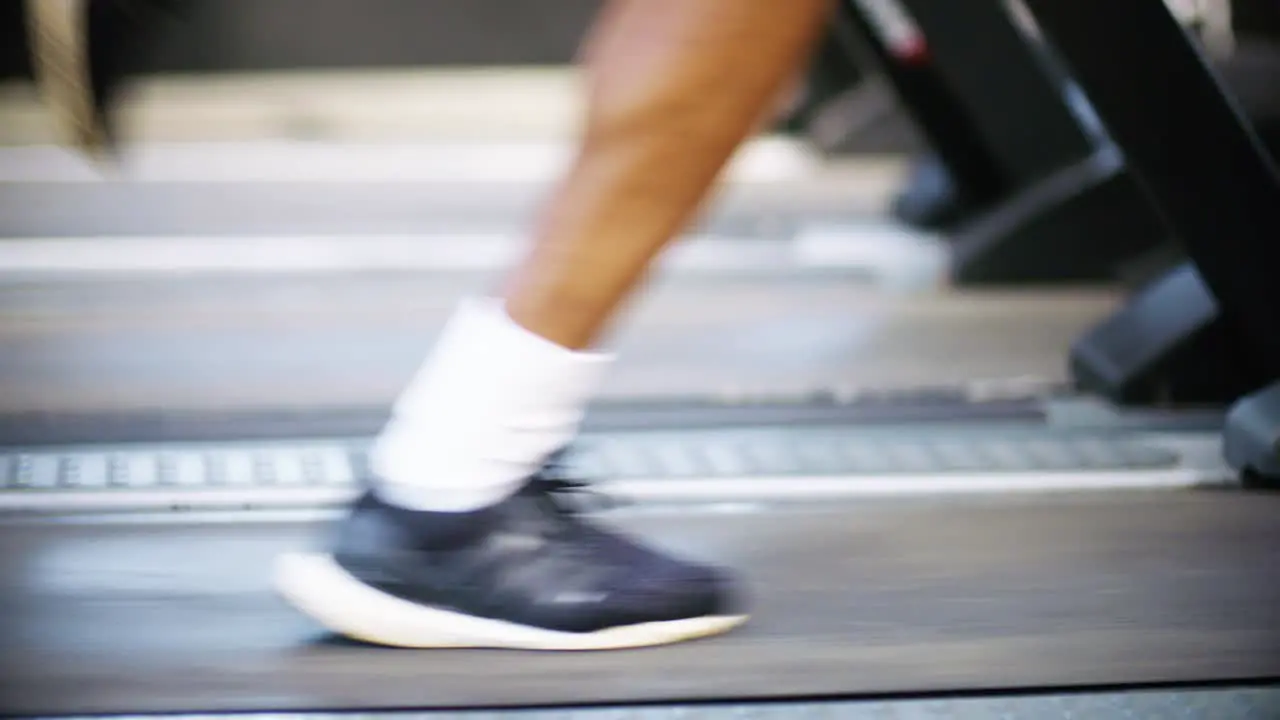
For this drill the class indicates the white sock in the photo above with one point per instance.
(488, 406)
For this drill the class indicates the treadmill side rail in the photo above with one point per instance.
(1251, 438)
(1169, 345)
(1079, 224)
(1187, 142)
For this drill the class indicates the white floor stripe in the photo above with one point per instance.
(761, 161)
(885, 252)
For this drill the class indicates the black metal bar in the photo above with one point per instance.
(1186, 142)
(931, 105)
(1016, 104)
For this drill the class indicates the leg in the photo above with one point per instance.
(674, 87)
(465, 485)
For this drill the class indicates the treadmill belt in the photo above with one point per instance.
(176, 614)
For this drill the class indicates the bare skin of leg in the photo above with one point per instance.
(674, 87)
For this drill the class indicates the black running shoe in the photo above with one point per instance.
(529, 573)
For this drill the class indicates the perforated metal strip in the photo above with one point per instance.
(331, 464)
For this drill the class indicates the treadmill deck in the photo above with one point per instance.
(174, 613)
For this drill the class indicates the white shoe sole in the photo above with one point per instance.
(316, 585)
(60, 60)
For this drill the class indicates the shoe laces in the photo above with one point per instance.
(568, 492)
(566, 496)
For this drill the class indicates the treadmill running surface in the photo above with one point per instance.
(176, 613)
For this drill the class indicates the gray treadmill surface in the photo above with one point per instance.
(177, 614)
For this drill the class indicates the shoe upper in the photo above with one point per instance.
(531, 560)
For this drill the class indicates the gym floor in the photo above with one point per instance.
(230, 261)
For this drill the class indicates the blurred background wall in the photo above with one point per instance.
(265, 35)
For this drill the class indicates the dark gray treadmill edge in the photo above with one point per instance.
(937, 405)
(1247, 702)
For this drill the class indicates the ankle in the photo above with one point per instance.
(487, 408)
